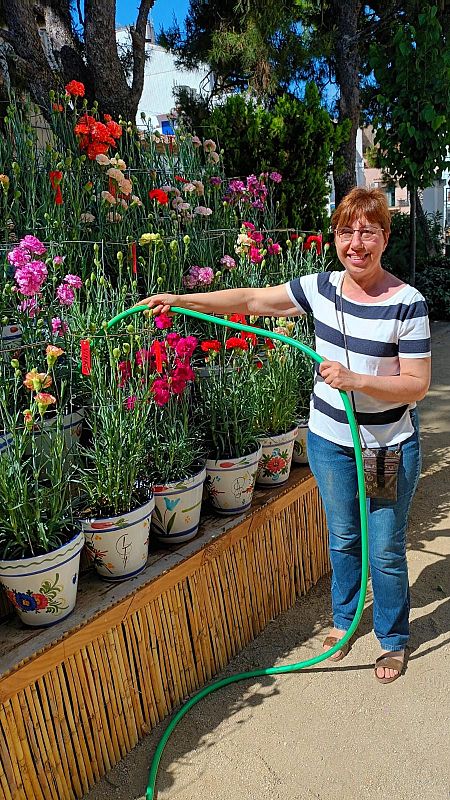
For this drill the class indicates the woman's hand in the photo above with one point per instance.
(160, 303)
(339, 377)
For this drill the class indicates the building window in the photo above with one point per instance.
(390, 194)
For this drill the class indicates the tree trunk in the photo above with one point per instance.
(424, 229)
(347, 66)
(111, 89)
(412, 234)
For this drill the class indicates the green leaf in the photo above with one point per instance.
(171, 521)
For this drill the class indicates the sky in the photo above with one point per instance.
(161, 14)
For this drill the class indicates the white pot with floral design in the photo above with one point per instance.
(177, 509)
(230, 482)
(43, 588)
(300, 454)
(10, 341)
(72, 425)
(118, 546)
(275, 463)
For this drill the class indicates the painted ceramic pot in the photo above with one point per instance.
(300, 454)
(275, 463)
(177, 509)
(43, 588)
(230, 482)
(10, 341)
(118, 546)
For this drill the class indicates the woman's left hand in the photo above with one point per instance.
(338, 376)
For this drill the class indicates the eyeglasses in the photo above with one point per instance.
(367, 234)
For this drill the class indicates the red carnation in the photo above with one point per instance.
(159, 195)
(114, 129)
(211, 344)
(317, 240)
(55, 180)
(75, 88)
(236, 343)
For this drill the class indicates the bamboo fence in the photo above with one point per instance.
(69, 713)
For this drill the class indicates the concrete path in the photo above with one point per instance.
(331, 733)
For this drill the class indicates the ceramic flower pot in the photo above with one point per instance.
(10, 341)
(72, 428)
(43, 588)
(230, 482)
(275, 463)
(118, 546)
(300, 454)
(177, 509)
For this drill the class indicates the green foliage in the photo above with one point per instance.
(396, 256)
(294, 137)
(412, 70)
(434, 283)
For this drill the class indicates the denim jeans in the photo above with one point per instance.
(334, 469)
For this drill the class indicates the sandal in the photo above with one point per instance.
(388, 662)
(330, 642)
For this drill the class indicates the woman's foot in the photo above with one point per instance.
(333, 637)
(389, 666)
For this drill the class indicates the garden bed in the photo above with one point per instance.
(75, 698)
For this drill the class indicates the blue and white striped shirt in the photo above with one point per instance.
(378, 334)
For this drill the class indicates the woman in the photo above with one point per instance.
(373, 332)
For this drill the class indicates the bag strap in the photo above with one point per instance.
(339, 290)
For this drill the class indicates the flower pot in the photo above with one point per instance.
(43, 588)
(10, 341)
(5, 441)
(300, 454)
(177, 509)
(118, 546)
(275, 464)
(230, 482)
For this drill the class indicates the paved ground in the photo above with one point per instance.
(331, 732)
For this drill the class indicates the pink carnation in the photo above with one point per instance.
(161, 392)
(142, 356)
(19, 258)
(228, 262)
(31, 277)
(59, 327)
(65, 294)
(59, 260)
(275, 177)
(248, 225)
(257, 237)
(172, 339)
(255, 256)
(130, 402)
(274, 249)
(163, 321)
(33, 244)
(74, 281)
(29, 307)
(186, 346)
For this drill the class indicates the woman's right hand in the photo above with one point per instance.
(160, 303)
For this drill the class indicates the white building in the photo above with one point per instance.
(161, 77)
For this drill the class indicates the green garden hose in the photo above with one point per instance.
(150, 793)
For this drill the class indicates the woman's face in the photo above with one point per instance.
(360, 249)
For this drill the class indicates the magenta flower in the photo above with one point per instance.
(228, 262)
(275, 177)
(130, 402)
(257, 237)
(172, 339)
(59, 327)
(255, 256)
(160, 390)
(274, 249)
(163, 321)
(142, 356)
(74, 281)
(29, 307)
(125, 373)
(65, 294)
(33, 245)
(186, 346)
(19, 258)
(31, 277)
(59, 260)
(205, 276)
(248, 225)
(215, 180)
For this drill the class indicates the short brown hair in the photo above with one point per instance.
(360, 202)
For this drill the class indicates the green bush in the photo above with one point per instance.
(434, 283)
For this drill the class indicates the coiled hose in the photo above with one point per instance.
(150, 792)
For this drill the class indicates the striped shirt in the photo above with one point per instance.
(378, 334)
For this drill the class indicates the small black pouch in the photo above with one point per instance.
(380, 473)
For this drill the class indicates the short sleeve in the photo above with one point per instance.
(414, 335)
(302, 292)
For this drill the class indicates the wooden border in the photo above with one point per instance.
(71, 712)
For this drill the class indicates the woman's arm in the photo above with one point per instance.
(412, 384)
(272, 301)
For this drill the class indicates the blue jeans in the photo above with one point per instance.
(334, 469)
